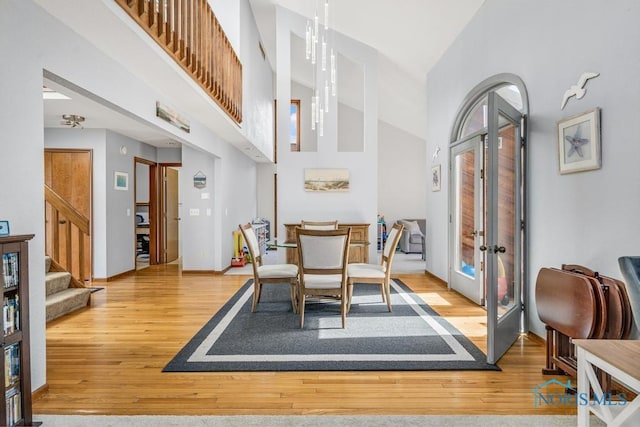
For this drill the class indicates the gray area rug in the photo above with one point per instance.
(313, 421)
(412, 337)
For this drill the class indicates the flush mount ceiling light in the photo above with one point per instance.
(72, 120)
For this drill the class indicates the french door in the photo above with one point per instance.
(486, 225)
(503, 246)
(466, 274)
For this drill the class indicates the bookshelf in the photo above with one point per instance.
(16, 375)
(261, 233)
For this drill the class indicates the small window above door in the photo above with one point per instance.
(476, 119)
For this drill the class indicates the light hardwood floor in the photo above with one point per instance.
(107, 359)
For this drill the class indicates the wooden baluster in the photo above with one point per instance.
(196, 38)
(67, 244)
(142, 6)
(168, 28)
(54, 228)
(152, 12)
(81, 272)
(161, 22)
(183, 30)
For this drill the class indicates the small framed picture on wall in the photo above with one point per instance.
(579, 142)
(121, 181)
(435, 178)
(4, 228)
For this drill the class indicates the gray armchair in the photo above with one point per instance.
(630, 268)
(412, 240)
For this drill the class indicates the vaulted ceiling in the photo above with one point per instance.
(410, 36)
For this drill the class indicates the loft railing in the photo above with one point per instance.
(67, 237)
(190, 33)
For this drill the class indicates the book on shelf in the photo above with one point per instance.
(13, 406)
(10, 270)
(11, 314)
(11, 364)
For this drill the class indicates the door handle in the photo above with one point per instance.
(483, 248)
(474, 233)
(62, 222)
(500, 249)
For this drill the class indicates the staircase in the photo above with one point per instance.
(60, 297)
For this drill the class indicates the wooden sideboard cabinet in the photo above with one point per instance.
(358, 251)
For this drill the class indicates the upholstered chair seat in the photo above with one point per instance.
(371, 271)
(268, 273)
(277, 270)
(376, 274)
(320, 281)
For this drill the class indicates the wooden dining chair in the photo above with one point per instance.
(376, 274)
(269, 273)
(322, 258)
(319, 225)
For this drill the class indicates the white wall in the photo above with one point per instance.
(197, 253)
(257, 84)
(360, 203)
(587, 218)
(22, 200)
(169, 155)
(120, 207)
(35, 41)
(402, 176)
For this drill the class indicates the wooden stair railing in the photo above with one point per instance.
(190, 33)
(66, 232)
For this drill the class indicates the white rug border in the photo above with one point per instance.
(460, 354)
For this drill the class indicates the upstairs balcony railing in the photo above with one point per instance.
(190, 33)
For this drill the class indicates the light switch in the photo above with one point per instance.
(128, 212)
(194, 212)
(208, 212)
(205, 195)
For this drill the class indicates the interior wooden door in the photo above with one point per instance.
(68, 173)
(171, 215)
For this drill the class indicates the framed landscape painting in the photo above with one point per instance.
(326, 180)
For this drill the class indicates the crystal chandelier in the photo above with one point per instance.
(316, 39)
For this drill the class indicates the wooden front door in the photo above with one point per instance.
(171, 215)
(68, 174)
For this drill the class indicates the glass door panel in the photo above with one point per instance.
(466, 275)
(504, 233)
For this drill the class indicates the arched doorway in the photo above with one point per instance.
(487, 258)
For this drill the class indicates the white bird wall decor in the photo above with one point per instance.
(578, 90)
(436, 153)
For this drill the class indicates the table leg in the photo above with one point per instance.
(583, 389)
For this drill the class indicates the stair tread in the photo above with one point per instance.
(67, 293)
(56, 274)
(66, 301)
(56, 281)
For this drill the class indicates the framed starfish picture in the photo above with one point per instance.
(579, 142)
